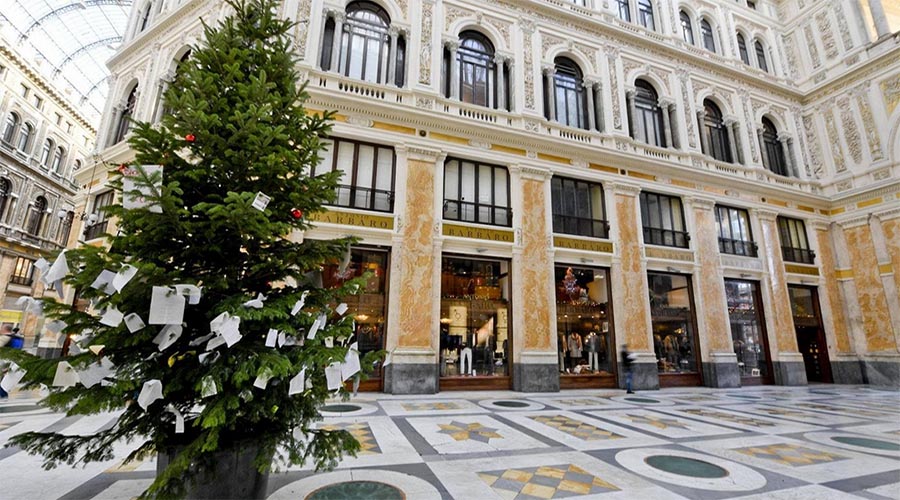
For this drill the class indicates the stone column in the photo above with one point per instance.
(880, 19)
(636, 133)
(391, 77)
(535, 367)
(719, 361)
(673, 123)
(762, 149)
(704, 135)
(499, 62)
(453, 47)
(336, 42)
(631, 307)
(599, 120)
(664, 105)
(550, 75)
(415, 266)
(591, 109)
(787, 361)
(788, 159)
(511, 84)
(731, 128)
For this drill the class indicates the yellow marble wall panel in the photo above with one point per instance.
(718, 327)
(832, 292)
(416, 254)
(869, 290)
(785, 336)
(536, 268)
(631, 290)
(891, 229)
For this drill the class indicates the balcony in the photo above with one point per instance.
(666, 237)
(95, 231)
(798, 255)
(376, 200)
(580, 226)
(738, 247)
(21, 280)
(481, 213)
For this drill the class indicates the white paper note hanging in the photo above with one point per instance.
(94, 373)
(150, 392)
(300, 303)
(124, 276)
(166, 306)
(112, 317)
(298, 383)
(333, 376)
(350, 366)
(261, 201)
(12, 378)
(192, 292)
(208, 387)
(262, 379)
(65, 375)
(168, 336)
(256, 303)
(134, 322)
(179, 418)
(58, 270)
(104, 282)
(271, 337)
(341, 309)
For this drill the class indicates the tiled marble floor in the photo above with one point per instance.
(819, 442)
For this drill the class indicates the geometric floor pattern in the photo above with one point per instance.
(818, 442)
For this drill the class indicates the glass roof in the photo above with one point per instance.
(69, 42)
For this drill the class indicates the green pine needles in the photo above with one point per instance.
(235, 126)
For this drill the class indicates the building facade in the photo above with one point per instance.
(537, 182)
(44, 141)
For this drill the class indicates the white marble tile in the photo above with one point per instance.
(415, 407)
(393, 447)
(740, 420)
(579, 402)
(884, 429)
(471, 434)
(792, 413)
(412, 487)
(124, 489)
(828, 408)
(888, 446)
(809, 492)
(662, 424)
(891, 491)
(594, 435)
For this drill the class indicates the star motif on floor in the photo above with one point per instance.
(462, 432)
(659, 423)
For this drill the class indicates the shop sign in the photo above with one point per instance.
(478, 233)
(576, 244)
(795, 269)
(351, 219)
(8, 316)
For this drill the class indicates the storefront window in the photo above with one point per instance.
(747, 327)
(475, 330)
(369, 306)
(584, 341)
(671, 311)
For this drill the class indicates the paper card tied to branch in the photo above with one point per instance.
(112, 317)
(192, 292)
(150, 392)
(134, 322)
(65, 375)
(333, 376)
(136, 192)
(350, 366)
(166, 306)
(57, 271)
(262, 378)
(168, 336)
(42, 265)
(179, 418)
(228, 327)
(94, 373)
(123, 277)
(12, 378)
(256, 303)
(261, 201)
(271, 337)
(104, 282)
(341, 309)
(30, 304)
(300, 303)
(208, 387)
(298, 383)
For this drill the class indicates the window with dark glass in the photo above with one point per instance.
(794, 244)
(624, 10)
(761, 56)
(687, 30)
(23, 273)
(45, 153)
(735, 237)
(477, 71)
(742, 49)
(5, 192)
(36, 216)
(706, 34)
(714, 123)
(98, 220)
(568, 85)
(145, 17)
(368, 172)
(663, 220)
(645, 14)
(585, 340)
(25, 137)
(59, 157)
(9, 130)
(672, 319)
(773, 150)
(578, 208)
(65, 227)
(476, 192)
(365, 42)
(748, 327)
(649, 118)
(124, 122)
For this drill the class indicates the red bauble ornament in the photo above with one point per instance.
(296, 213)
(122, 167)
(190, 138)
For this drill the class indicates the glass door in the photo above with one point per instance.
(748, 331)
(810, 334)
(674, 329)
(585, 338)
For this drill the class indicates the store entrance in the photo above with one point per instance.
(476, 339)
(585, 339)
(748, 331)
(674, 329)
(810, 335)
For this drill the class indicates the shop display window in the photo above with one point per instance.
(475, 330)
(747, 327)
(585, 343)
(671, 312)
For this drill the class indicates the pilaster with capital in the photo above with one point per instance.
(709, 277)
(549, 72)
(782, 336)
(832, 301)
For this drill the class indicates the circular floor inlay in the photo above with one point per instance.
(867, 443)
(684, 466)
(339, 408)
(357, 489)
(642, 400)
(512, 404)
(19, 408)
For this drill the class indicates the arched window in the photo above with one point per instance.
(742, 49)
(761, 56)
(58, 157)
(772, 148)
(65, 227)
(648, 116)
(25, 137)
(124, 123)
(5, 192)
(76, 166)
(718, 147)
(36, 216)
(645, 14)
(706, 34)
(145, 17)
(477, 72)
(365, 42)
(9, 131)
(624, 10)
(569, 94)
(687, 29)
(45, 153)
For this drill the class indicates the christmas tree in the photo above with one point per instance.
(208, 327)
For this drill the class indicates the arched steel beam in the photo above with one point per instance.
(71, 7)
(85, 48)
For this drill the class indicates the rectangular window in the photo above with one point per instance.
(24, 90)
(38, 102)
(734, 231)
(475, 192)
(794, 245)
(624, 10)
(367, 180)
(663, 220)
(23, 274)
(578, 208)
(98, 228)
(673, 326)
(59, 119)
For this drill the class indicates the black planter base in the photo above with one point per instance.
(232, 476)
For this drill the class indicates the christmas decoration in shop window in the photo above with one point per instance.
(208, 327)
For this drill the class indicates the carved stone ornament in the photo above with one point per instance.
(811, 46)
(837, 155)
(851, 131)
(425, 50)
(826, 30)
(360, 121)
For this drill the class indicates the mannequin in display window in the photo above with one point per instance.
(465, 360)
(562, 349)
(575, 347)
(592, 341)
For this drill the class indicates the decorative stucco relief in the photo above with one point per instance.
(826, 30)
(792, 57)
(612, 54)
(453, 14)
(815, 150)
(811, 46)
(837, 155)
(874, 142)
(548, 41)
(851, 131)
(751, 126)
(301, 30)
(683, 77)
(425, 51)
(527, 27)
(846, 39)
(890, 89)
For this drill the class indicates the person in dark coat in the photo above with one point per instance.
(627, 361)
